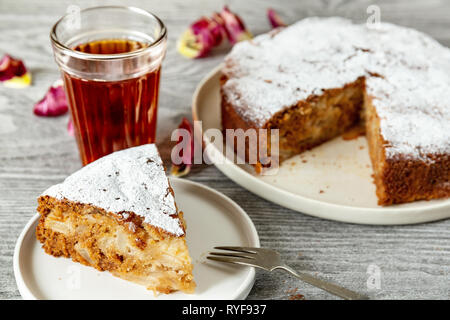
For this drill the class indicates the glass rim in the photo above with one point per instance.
(114, 56)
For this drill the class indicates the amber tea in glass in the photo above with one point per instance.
(111, 70)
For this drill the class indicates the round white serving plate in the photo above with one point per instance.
(332, 181)
(212, 220)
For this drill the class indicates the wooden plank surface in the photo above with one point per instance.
(37, 152)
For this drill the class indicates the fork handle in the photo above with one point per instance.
(327, 286)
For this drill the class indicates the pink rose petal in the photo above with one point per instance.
(274, 19)
(203, 35)
(234, 26)
(206, 33)
(10, 68)
(19, 81)
(54, 102)
(184, 167)
(217, 28)
(210, 30)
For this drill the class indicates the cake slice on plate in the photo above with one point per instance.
(118, 214)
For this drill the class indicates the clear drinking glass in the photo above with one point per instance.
(110, 59)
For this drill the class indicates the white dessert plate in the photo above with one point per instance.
(332, 181)
(212, 220)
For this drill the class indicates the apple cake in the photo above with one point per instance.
(118, 214)
(317, 78)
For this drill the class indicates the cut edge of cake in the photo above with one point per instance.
(400, 179)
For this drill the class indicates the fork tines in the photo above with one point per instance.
(238, 249)
(238, 255)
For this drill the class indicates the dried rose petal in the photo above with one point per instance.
(200, 38)
(54, 102)
(207, 33)
(184, 167)
(211, 31)
(18, 82)
(70, 128)
(274, 19)
(189, 46)
(13, 72)
(217, 28)
(10, 68)
(234, 26)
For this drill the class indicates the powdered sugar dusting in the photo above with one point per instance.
(275, 70)
(128, 180)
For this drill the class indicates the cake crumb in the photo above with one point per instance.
(294, 295)
(297, 296)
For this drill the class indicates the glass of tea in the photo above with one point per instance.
(110, 59)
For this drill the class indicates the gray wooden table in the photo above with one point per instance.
(414, 261)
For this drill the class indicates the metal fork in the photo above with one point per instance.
(270, 260)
